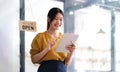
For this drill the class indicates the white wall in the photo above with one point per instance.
(9, 36)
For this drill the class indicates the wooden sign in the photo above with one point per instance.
(27, 25)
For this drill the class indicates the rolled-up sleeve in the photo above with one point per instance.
(34, 48)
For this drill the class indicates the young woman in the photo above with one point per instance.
(43, 47)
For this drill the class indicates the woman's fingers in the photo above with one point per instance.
(71, 48)
(51, 44)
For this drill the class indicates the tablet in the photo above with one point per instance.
(67, 39)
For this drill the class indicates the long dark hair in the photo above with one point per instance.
(52, 14)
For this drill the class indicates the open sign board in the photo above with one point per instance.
(27, 25)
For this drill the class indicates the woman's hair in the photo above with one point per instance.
(52, 14)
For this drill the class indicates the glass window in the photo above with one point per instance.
(93, 26)
(94, 51)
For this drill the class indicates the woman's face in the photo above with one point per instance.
(57, 22)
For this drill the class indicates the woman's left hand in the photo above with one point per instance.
(71, 48)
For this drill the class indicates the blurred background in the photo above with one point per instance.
(96, 21)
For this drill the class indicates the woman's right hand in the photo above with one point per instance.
(51, 44)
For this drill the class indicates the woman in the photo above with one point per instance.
(43, 47)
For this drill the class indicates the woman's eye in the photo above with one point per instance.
(56, 19)
(60, 19)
